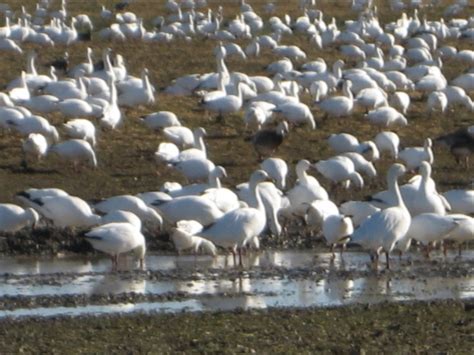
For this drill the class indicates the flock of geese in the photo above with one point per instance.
(381, 68)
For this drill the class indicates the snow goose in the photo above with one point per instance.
(111, 114)
(258, 113)
(35, 145)
(340, 169)
(414, 156)
(382, 230)
(42, 104)
(194, 169)
(337, 229)
(426, 198)
(180, 135)
(277, 169)
(386, 116)
(361, 164)
(118, 238)
(34, 124)
(358, 211)
(401, 101)
(461, 201)
(77, 108)
(464, 81)
(134, 96)
(429, 228)
(7, 44)
(371, 98)
(120, 216)
(81, 128)
(268, 140)
(306, 189)
(237, 227)
(280, 67)
(195, 208)
(20, 93)
(131, 204)
(457, 96)
(437, 100)
(338, 106)
(296, 113)
(77, 150)
(388, 142)
(224, 105)
(184, 239)
(66, 211)
(464, 232)
(13, 218)
(160, 120)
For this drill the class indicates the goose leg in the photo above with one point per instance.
(233, 256)
(141, 263)
(333, 255)
(240, 257)
(387, 257)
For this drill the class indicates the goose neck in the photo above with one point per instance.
(255, 191)
(394, 188)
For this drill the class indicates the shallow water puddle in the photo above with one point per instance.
(254, 294)
(209, 287)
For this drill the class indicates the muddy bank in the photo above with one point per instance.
(446, 326)
(50, 241)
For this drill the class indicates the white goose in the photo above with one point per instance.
(414, 156)
(133, 96)
(386, 116)
(81, 128)
(66, 211)
(184, 239)
(388, 142)
(224, 105)
(160, 120)
(461, 201)
(337, 229)
(111, 115)
(383, 229)
(340, 169)
(118, 238)
(13, 218)
(338, 106)
(195, 208)
(277, 169)
(306, 189)
(131, 204)
(235, 228)
(77, 150)
(35, 145)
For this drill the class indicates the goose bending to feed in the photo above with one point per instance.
(81, 128)
(340, 169)
(235, 228)
(296, 113)
(131, 204)
(461, 201)
(118, 238)
(266, 141)
(337, 229)
(35, 145)
(383, 229)
(160, 120)
(195, 208)
(120, 216)
(184, 238)
(386, 116)
(277, 169)
(428, 228)
(388, 142)
(13, 218)
(464, 232)
(414, 156)
(77, 150)
(66, 211)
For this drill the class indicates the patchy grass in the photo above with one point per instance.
(445, 327)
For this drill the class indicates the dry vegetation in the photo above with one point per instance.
(126, 163)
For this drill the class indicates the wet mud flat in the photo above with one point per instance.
(414, 327)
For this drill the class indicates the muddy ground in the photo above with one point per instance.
(434, 327)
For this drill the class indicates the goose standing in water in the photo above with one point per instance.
(237, 227)
(118, 238)
(383, 229)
